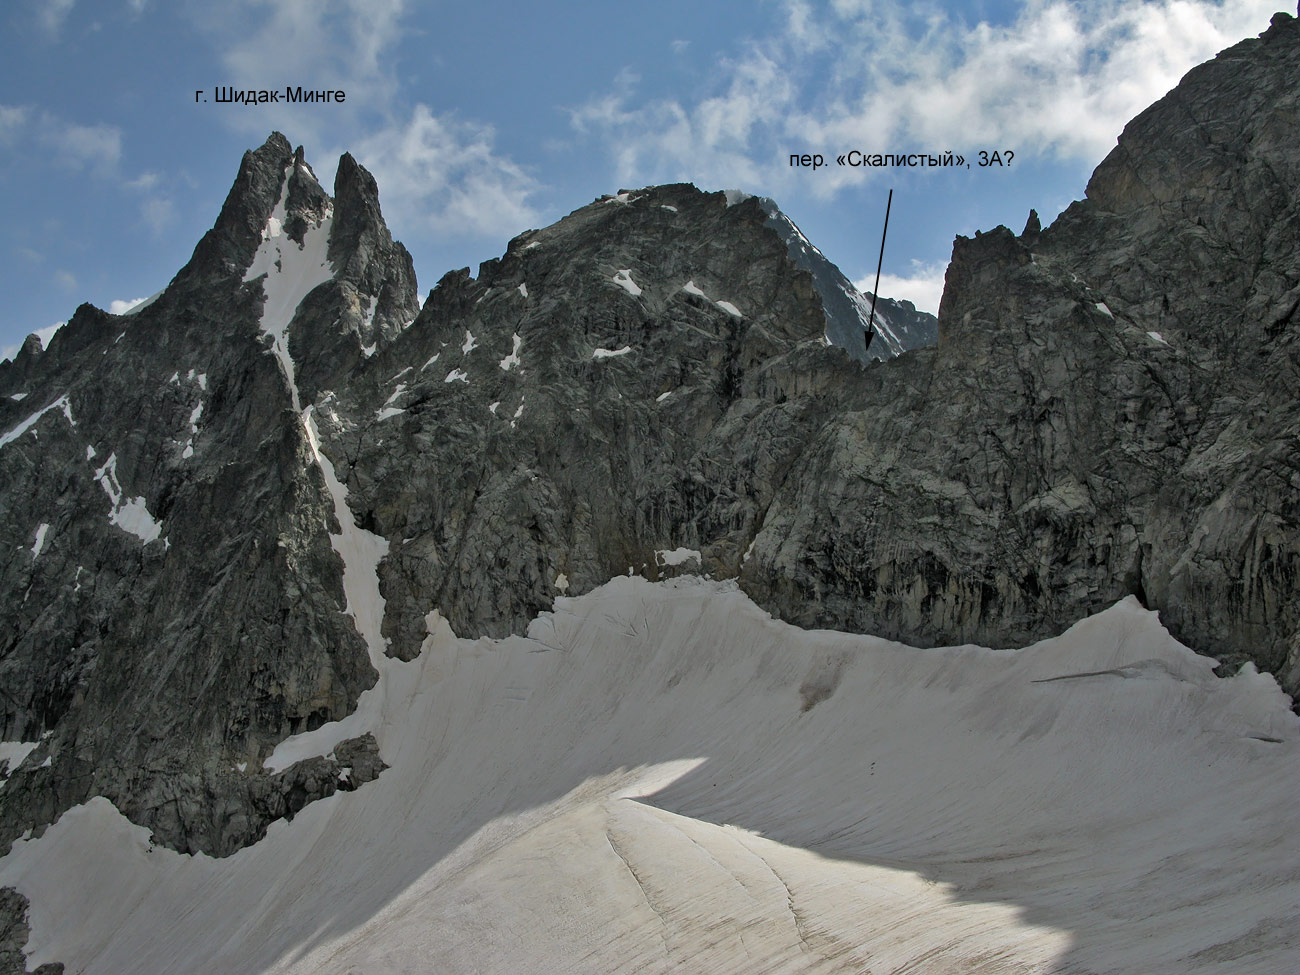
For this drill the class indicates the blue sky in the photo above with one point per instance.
(482, 120)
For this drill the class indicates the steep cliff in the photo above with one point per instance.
(231, 508)
(173, 599)
(1111, 408)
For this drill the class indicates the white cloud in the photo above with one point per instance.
(1060, 80)
(299, 39)
(82, 146)
(157, 209)
(12, 120)
(447, 172)
(716, 140)
(52, 14)
(69, 144)
(318, 44)
(65, 279)
(157, 212)
(144, 182)
(923, 287)
(119, 306)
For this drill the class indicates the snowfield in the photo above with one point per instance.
(660, 777)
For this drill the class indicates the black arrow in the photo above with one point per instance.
(876, 290)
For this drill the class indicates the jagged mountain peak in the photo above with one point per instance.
(245, 525)
(229, 246)
(898, 326)
(666, 210)
(237, 512)
(659, 246)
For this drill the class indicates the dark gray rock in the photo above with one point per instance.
(360, 757)
(1110, 410)
(13, 937)
(159, 666)
(493, 482)
(897, 327)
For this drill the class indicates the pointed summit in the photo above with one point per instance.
(230, 244)
(898, 326)
(357, 197)
(365, 254)
(358, 294)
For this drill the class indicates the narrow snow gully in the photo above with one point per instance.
(361, 552)
(292, 271)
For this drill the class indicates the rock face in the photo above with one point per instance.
(633, 381)
(1111, 408)
(897, 328)
(173, 602)
(643, 387)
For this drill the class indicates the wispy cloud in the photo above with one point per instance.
(1060, 80)
(719, 139)
(144, 182)
(157, 212)
(157, 209)
(51, 14)
(95, 147)
(68, 144)
(448, 172)
(333, 44)
(13, 118)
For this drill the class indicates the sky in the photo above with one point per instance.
(483, 120)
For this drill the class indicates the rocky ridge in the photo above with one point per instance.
(897, 327)
(1111, 408)
(643, 387)
(173, 598)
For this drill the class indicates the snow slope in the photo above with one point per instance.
(661, 777)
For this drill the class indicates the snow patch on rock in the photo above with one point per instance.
(59, 404)
(677, 556)
(12, 755)
(512, 360)
(129, 514)
(624, 280)
(291, 272)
